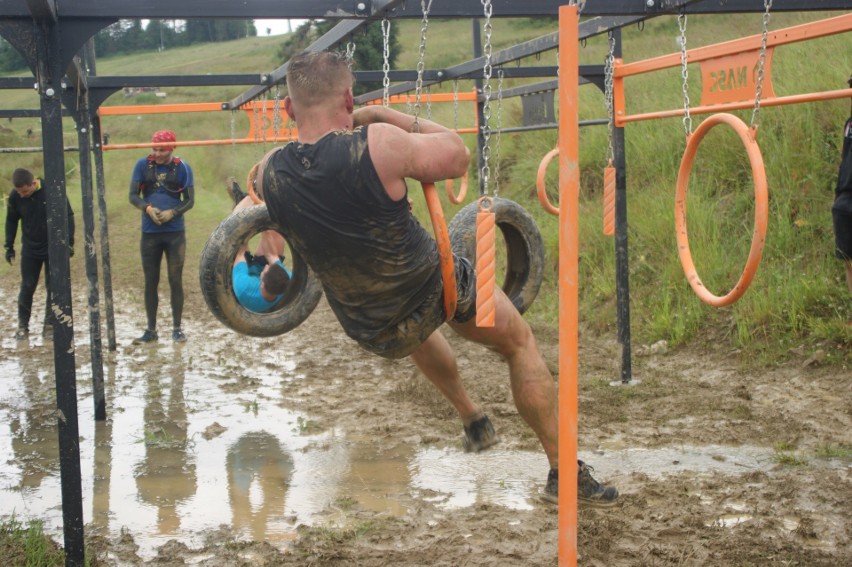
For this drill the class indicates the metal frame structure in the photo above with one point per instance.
(54, 37)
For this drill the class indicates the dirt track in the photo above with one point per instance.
(716, 465)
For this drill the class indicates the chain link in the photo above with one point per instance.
(499, 133)
(486, 93)
(684, 73)
(455, 104)
(263, 122)
(609, 72)
(233, 143)
(276, 113)
(350, 54)
(421, 62)
(758, 91)
(386, 26)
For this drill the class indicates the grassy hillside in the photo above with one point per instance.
(799, 296)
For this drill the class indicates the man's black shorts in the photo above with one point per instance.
(404, 337)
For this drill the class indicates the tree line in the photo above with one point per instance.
(129, 36)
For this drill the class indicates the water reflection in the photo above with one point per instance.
(166, 476)
(259, 473)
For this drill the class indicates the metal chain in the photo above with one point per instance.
(421, 62)
(263, 122)
(684, 73)
(233, 143)
(486, 93)
(257, 123)
(386, 62)
(350, 54)
(455, 104)
(276, 113)
(499, 134)
(429, 102)
(755, 115)
(609, 72)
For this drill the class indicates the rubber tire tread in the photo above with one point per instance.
(217, 261)
(524, 247)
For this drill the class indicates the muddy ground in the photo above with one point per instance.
(780, 495)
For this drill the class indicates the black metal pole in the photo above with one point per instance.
(622, 268)
(96, 345)
(97, 136)
(50, 72)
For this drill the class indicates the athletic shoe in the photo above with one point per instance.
(22, 334)
(551, 489)
(479, 435)
(233, 189)
(147, 337)
(178, 336)
(589, 491)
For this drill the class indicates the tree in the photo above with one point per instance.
(368, 46)
(10, 58)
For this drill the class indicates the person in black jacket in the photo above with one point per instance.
(27, 204)
(841, 210)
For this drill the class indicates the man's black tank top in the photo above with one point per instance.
(376, 262)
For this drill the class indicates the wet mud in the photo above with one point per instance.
(305, 450)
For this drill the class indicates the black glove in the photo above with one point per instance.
(10, 256)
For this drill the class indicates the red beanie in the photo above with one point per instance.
(163, 136)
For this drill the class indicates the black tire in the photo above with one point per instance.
(217, 261)
(524, 247)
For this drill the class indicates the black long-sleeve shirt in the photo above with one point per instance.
(32, 214)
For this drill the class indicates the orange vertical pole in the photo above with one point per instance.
(569, 200)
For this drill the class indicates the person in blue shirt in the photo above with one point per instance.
(162, 188)
(260, 279)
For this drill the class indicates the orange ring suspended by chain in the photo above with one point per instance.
(539, 182)
(445, 250)
(457, 200)
(761, 209)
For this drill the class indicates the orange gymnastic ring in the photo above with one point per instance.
(457, 200)
(761, 208)
(539, 182)
(445, 250)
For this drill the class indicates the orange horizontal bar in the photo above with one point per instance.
(784, 36)
(159, 108)
(775, 101)
(148, 145)
(426, 98)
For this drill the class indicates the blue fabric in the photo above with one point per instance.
(161, 198)
(246, 282)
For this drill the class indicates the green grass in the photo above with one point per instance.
(798, 296)
(28, 545)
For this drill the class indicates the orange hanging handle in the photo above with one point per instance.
(445, 250)
(457, 199)
(609, 200)
(486, 263)
(761, 208)
(539, 182)
(251, 180)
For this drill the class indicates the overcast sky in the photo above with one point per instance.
(276, 27)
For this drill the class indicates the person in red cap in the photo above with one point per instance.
(162, 188)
